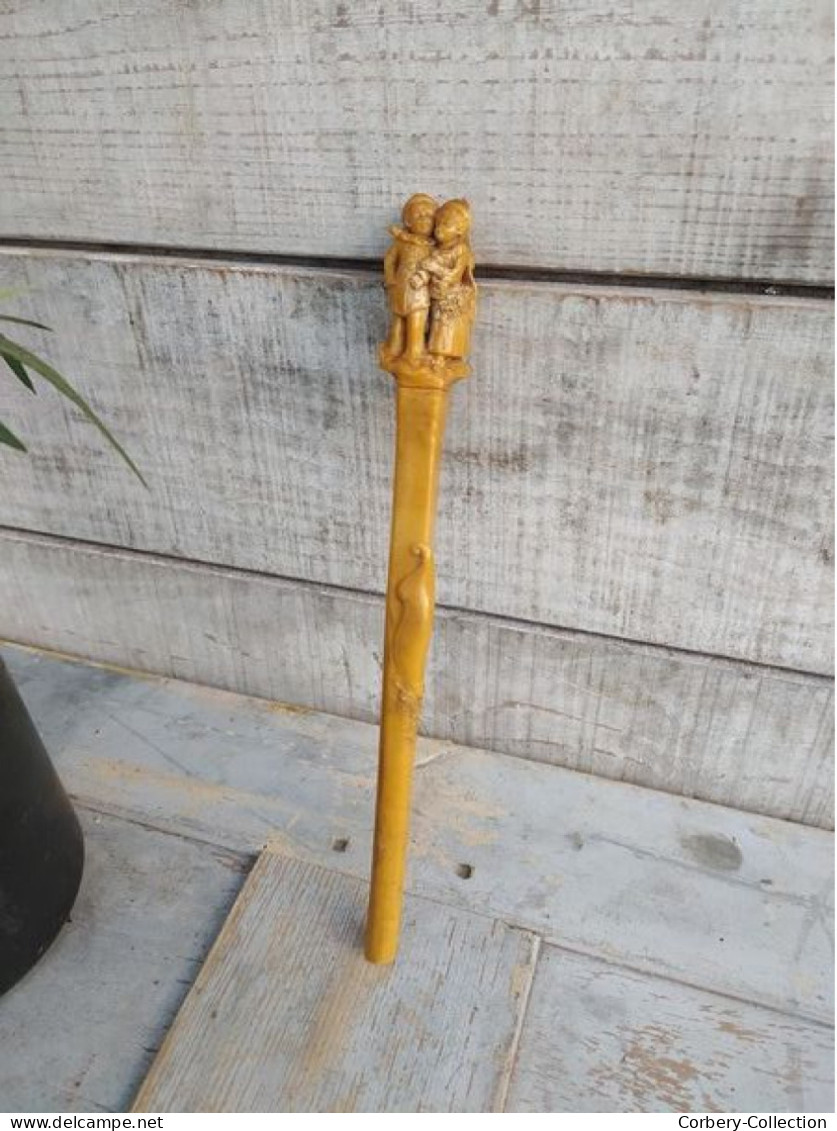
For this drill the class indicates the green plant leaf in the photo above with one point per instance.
(24, 322)
(8, 437)
(19, 371)
(63, 386)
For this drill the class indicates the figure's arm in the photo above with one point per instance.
(449, 273)
(463, 264)
(390, 265)
(421, 276)
(468, 274)
(435, 267)
(432, 265)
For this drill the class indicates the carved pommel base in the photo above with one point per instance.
(429, 371)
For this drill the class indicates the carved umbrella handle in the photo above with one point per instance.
(432, 296)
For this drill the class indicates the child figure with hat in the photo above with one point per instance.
(407, 288)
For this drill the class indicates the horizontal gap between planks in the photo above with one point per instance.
(486, 271)
(170, 827)
(330, 588)
(245, 858)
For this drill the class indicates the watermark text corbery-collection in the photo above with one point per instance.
(756, 1122)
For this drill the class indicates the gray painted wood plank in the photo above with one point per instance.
(670, 138)
(81, 1029)
(723, 731)
(724, 900)
(599, 1038)
(656, 465)
(286, 1014)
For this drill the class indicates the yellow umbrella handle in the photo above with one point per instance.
(429, 275)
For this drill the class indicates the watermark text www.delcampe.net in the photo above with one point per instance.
(77, 1122)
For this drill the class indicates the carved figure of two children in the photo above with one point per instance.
(429, 276)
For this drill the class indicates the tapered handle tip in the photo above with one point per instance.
(380, 949)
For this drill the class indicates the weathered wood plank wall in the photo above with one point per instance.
(653, 468)
(663, 137)
(738, 734)
(645, 464)
(635, 540)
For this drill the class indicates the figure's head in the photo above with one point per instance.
(453, 221)
(419, 214)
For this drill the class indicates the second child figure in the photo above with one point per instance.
(453, 292)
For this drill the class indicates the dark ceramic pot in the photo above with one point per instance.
(41, 846)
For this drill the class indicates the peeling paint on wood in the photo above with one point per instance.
(648, 465)
(601, 1038)
(662, 137)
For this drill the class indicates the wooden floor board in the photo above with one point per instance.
(688, 951)
(599, 1038)
(80, 1030)
(286, 1015)
(726, 901)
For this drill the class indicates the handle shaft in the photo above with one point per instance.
(409, 625)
